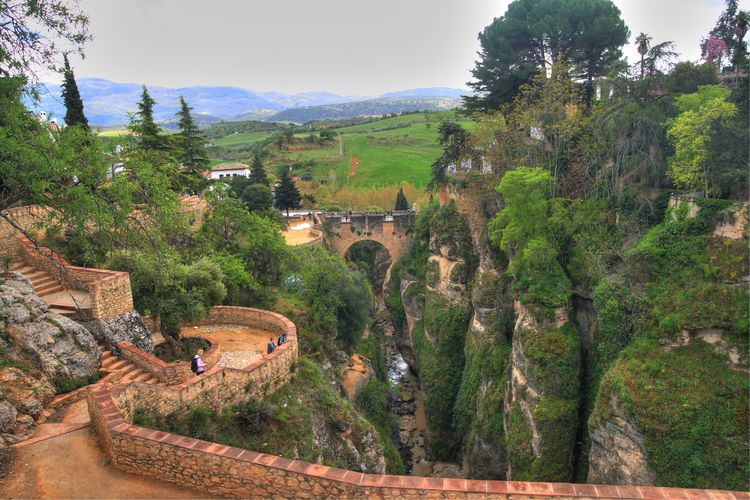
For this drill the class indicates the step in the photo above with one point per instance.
(144, 377)
(23, 269)
(43, 281)
(60, 305)
(131, 375)
(36, 275)
(61, 312)
(49, 289)
(117, 365)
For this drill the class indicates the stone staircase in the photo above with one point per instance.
(123, 371)
(45, 285)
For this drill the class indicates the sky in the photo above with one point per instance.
(349, 47)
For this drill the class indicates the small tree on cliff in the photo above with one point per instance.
(287, 194)
(401, 202)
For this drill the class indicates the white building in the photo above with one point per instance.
(223, 170)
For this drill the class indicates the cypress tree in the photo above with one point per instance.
(143, 125)
(190, 144)
(401, 201)
(72, 98)
(258, 173)
(287, 194)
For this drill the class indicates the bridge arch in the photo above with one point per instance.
(393, 231)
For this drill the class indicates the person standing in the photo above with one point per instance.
(198, 365)
(271, 346)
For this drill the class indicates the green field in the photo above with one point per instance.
(244, 138)
(389, 151)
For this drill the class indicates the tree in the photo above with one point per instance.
(143, 126)
(258, 173)
(535, 34)
(30, 31)
(170, 292)
(401, 201)
(340, 298)
(72, 99)
(254, 239)
(691, 164)
(686, 77)
(456, 147)
(524, 230)
(726, 39)
(190, 148)
(287, 194)
(257, 197)
(643, 41)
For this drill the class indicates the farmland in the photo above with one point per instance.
(387, 152)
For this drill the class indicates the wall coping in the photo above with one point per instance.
(115, 424)
(106, 412)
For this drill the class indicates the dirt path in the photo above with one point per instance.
(73, 466)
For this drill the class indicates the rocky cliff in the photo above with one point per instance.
(37, 349)
(644, 362)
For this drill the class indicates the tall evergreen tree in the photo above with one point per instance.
(72, 98)
(287, 194)
(190, 149)
(257, 172)
(533, 35)
(401, 202)
(143, 126)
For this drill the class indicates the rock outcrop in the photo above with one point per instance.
(356, 374)
(618, 455)
(38, 347)
(62, 347)
(128, 327)
(541, 401)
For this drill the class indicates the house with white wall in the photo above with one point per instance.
(223, 170)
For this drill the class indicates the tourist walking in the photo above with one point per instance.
(198, 366)
(271, 346)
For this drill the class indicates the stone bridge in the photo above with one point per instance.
(392, 230)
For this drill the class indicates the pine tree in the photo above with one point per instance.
(287, 194)
(258, 173)
(190, 149)
(142, 125)
(401, 201)
(72, 98)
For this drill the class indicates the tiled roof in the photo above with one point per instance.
(229, 166)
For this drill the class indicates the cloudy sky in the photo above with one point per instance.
(353, 47)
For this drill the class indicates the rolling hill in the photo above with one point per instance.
(108, 103)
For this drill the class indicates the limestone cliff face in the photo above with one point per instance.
(412, 298)
(37, 347)
(618, 455)
(127, 327)
(62, 347)
(542, 396)
(479, 409)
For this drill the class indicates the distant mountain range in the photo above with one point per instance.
(108, 103)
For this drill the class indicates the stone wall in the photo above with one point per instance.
(110, 291)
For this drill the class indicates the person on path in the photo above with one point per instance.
(271, 346)
(282, 339)
(198, 366)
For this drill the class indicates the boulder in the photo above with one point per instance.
(128, 327)
(357, 373)
(7, 417)
(62, 347)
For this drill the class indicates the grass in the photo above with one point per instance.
(242, 138)
(390, 151)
